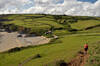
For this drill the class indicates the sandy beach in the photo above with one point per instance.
(10, 40)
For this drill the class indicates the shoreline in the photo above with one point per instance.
(10, 41)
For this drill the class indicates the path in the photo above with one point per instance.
(80, 60)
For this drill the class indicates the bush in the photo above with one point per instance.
(13, 28)
(62, 63)
(38, 56)
(57, 63)
(14, 49)
(37, 31)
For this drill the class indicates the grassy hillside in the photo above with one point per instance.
(68, 29)
(65, 50)
(82, 25)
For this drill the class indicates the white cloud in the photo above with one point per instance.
(69, 7)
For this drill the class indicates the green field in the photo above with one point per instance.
(81, 25)
(65, 48)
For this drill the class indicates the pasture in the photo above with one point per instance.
(65, 48)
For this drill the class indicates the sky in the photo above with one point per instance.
(67, 7)
(91, 1)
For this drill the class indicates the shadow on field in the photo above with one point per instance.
(29, 59)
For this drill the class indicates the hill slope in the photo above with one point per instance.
(72, 32)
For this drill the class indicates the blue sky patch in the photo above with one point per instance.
(58, 1)
(26, 6)
(91, 1)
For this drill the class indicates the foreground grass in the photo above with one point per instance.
(65, 50)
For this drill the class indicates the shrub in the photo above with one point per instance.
(14, 49)
(38, 56)
(57, 63)
(13, 28)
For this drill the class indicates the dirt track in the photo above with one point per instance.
(80, 60)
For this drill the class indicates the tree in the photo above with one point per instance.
(57, 17)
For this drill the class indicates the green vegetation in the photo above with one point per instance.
(64, 51)
(72, 32)
(94, 59)
(82, 25)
